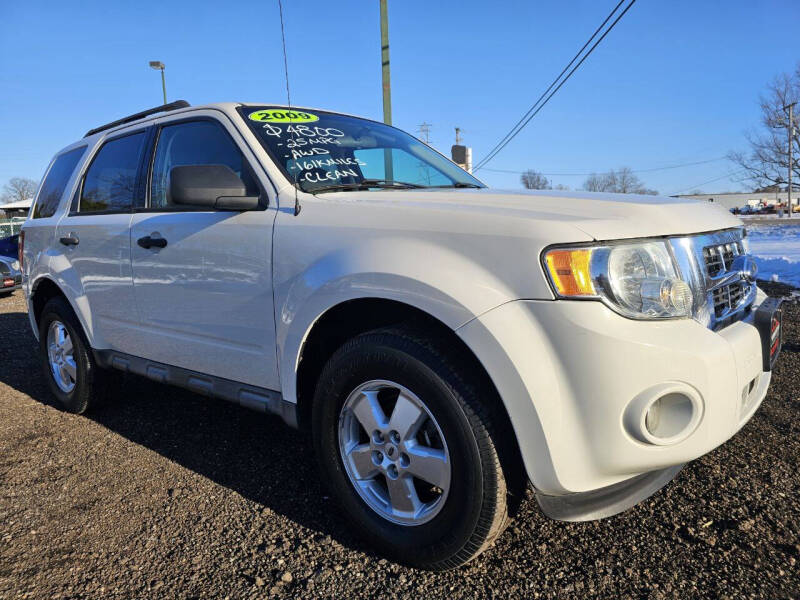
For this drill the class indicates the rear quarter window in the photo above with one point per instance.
(55, 181)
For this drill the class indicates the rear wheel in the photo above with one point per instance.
(407, 446)
(70, 369)
(61, 356)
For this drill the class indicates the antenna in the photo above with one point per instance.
(458, 136)
(288, 95)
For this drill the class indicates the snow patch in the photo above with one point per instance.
(776, 250)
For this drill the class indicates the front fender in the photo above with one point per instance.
(433, 279)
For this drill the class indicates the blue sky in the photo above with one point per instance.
(676, 81)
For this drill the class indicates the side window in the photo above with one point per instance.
(195, 143)
(405, 167)
(55, 182)
(110, 182)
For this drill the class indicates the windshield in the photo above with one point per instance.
(322, 151)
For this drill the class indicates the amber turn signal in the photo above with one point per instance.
(570, 272)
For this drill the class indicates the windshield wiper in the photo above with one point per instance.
(458, 184)
(366, 184)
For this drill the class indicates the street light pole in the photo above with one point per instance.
(159, 66)
(164, 85)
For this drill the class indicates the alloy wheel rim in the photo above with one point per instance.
(394, 452)
(60, 354)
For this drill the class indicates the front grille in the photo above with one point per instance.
(720, 257)
(727, 273)
(721, 272)
(728, 298)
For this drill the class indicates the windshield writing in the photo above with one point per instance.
(322, 151)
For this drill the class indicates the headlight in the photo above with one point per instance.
(638, 280)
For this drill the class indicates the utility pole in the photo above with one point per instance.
(424, 132)
(387, 84)
(387, 87)
(791, 162)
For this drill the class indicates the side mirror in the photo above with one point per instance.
(212, 186)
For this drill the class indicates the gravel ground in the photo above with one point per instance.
(160, 493)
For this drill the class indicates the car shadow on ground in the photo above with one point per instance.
(253, 454)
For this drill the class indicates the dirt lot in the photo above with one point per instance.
(160, 493)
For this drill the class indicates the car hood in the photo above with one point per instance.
(599, 215)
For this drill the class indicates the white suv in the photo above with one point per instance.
(444, 343)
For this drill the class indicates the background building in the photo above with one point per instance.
(15, 209)
(740, 199)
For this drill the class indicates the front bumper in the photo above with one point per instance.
(9, 283)
(568, 373)
(607, 501)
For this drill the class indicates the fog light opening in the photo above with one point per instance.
(669, 416)
(664, 414)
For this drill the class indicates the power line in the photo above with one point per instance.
(691, 187)
(689, 164)
(531, 112)
(563, 81)
(564, 70)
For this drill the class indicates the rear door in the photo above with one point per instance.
(95, 237)
(205, 297)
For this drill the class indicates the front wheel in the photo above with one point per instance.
(407, 446)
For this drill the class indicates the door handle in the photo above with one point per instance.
(148, 242)
(70, 240)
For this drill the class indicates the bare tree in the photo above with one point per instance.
(598, 182)
(626, 181)
(619, 181)
(533, 180)
(767, 161)
(17, 189)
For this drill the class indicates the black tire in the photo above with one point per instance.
(475, 511)
(91, 382)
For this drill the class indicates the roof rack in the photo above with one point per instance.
(140, 115)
